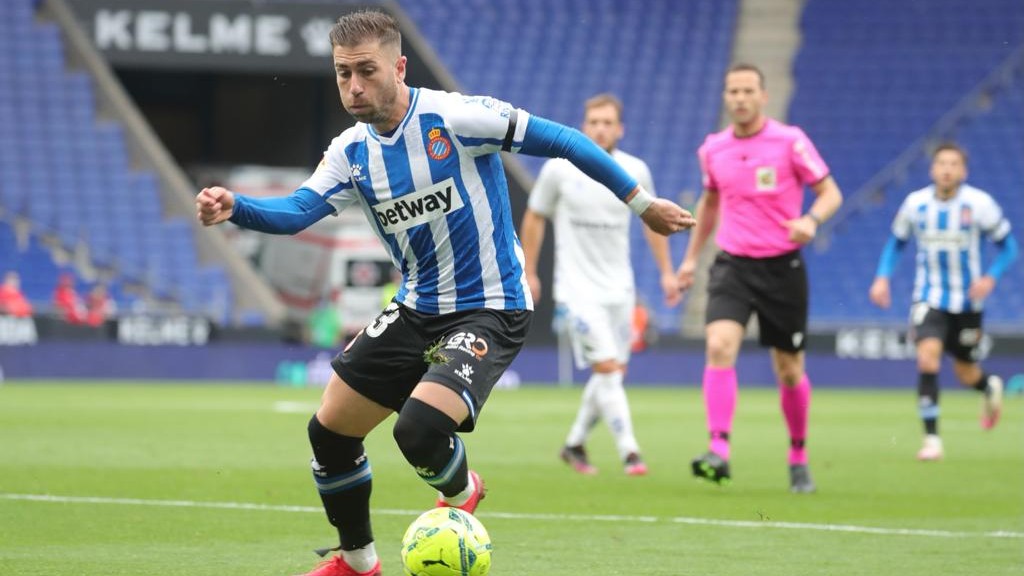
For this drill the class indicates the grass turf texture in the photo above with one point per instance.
(241, 444)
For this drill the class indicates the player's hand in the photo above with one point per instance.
(670, 287)
(981, 288)
(879, 293)
(802, 229)
(685, 274)
(533, 281)
(214, 205)
(666, 217)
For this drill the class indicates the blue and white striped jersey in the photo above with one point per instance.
(436, 193)
(948, 234)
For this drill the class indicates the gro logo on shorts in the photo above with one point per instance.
(468, 342)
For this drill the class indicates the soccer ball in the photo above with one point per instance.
(446, 542)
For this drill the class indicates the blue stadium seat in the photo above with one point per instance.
(53, 148)
(548, 57)
(871, 78)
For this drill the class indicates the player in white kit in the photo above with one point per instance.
(594, 279)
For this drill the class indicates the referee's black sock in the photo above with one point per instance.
(928, 401)
(427, 438)
(344, 480)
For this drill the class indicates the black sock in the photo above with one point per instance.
(982, 384)
(344, 480)
(928, 401)
(427, 438)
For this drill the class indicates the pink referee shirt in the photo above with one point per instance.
(760, 181)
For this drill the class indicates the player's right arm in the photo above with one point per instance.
(879, 292)
(286, 215)
(902, 227)
(328, 190)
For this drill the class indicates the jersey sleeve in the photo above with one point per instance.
(806, 160)
(643, 176)
(544, 195)
(485, 125)
(707, 179)
(903, 223)
(991, 220)
(332, 178)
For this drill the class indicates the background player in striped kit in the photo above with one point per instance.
(948, 220)
(424, 167)
(594, 279)
(755, 172)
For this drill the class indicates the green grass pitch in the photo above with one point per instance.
(191, 480)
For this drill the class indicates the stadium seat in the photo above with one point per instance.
(70, 173)
(554, 55)
(872, 78)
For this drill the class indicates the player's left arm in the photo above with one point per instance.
(812, 170)
(828, 200)
(553, 140)
(997, 227)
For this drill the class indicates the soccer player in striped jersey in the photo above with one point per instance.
(755, 172)
(423, 166)
(948, 220)
(594, 279)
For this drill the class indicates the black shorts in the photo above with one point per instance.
(775, 288)
(466, 351)
(960, 333)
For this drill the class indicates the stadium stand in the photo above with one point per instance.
(548, 57)
(866, 103)
(68, 172)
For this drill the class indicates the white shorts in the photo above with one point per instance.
(599, 331)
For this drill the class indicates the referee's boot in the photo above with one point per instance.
(711, 467)
(800, 479)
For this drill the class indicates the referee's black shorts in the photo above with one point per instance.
(774, 288)
(466, 351)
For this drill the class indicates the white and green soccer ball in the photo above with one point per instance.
(446, 542)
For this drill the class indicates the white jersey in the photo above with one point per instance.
(592, 261)
(948, 234)
(435, 191)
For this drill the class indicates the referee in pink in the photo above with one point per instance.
(754, 174)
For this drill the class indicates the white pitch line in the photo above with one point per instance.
(525, 516)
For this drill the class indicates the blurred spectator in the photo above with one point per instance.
(12, 301)
(99, 306)
(66, 300)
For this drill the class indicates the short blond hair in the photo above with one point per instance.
(604, 99)
(952, 147)
(366, 26)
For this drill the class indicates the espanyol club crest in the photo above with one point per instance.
(965, 216)
(438, 147)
